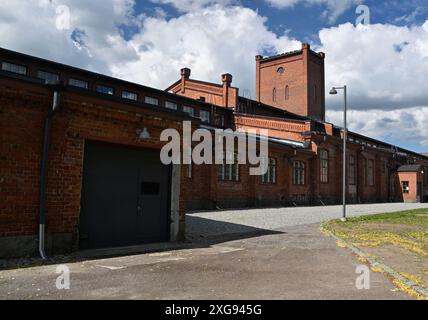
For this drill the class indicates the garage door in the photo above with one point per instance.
(125, 196)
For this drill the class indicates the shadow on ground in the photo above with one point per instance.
(200, 233)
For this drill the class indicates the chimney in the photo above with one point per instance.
(185, 75)
(227, 81)
(259, 58)
(306, 46)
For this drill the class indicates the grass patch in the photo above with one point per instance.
(407, 230)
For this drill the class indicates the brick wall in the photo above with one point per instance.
(22, 113)
(302, 72)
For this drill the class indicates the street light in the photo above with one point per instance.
(333, 91)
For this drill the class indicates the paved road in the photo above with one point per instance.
(205, 224)
(290, 262)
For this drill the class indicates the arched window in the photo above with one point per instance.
(280, 70)
(274, 94)
(287, 92)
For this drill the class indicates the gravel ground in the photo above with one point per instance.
(206, 224)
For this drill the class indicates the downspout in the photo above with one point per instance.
(56, 86)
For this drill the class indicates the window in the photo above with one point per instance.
(189, 110)
(352, 170)
(105, 90)
(152, 101)
(78, 83)
(219, 120)
(229, 172)
(129, 95)
(406, 186)
(15, 68)
(370, 172)
(287, 92)
(204, 116)
(47, 76)
(324, 166)
(280, 70)
(170, 105)
(298, 173)
(202, 99)
(270, 175)
(274, 94)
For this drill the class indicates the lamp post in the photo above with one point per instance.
(333, 91)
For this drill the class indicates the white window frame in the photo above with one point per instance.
(14, 68)
(171, 105)
(78, 83)
(129, 95)
(51, 76)
(151, 100)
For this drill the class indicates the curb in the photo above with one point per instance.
(372, 262)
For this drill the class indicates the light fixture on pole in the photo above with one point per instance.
(333, 91)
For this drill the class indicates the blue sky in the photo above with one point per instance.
(384, 64)
(303, 21)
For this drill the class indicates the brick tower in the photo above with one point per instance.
(293, 81)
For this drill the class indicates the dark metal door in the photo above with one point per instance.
(124, 197)
(419, 192)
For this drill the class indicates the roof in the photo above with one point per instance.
(289, 54)
(280, 112)
(104, 77)
(410, 168)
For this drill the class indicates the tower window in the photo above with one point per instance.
(280, 70)
(287, 92)
(274, 94)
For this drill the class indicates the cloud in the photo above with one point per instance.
(384, 66)
(191, 5)
(395, 126)
(206, 41)
(93, 40)
(333, 8)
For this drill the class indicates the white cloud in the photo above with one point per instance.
(206, 41)
(333, 8)
(190, 5)
(385, 66)
(30, 27)
(397, 126)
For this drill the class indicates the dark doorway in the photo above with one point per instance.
(419, 192)
(125, 197)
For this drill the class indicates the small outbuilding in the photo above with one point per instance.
(412, 179)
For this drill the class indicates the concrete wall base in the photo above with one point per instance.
(27, 246)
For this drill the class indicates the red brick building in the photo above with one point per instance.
(79, 153)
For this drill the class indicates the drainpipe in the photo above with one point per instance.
(56, 87)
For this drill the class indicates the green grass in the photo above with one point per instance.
(407, 230)
(409, 217)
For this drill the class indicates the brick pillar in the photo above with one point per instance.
(227, 81)
(185, 75)
(258, 59)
